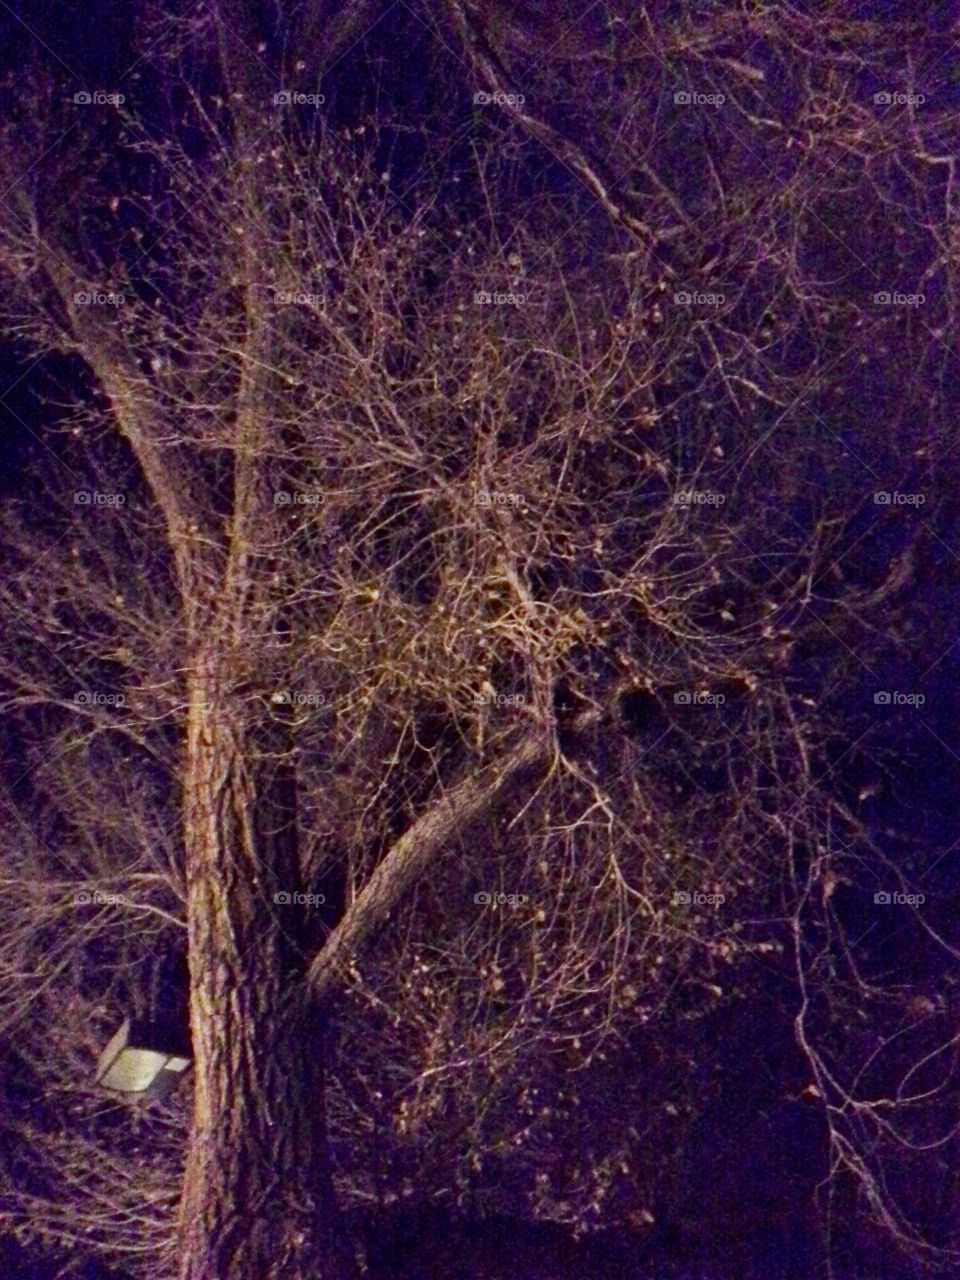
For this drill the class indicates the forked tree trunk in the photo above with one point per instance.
(258, 1200)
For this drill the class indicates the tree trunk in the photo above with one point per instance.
(258, 1200)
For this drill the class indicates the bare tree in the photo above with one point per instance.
(395, 557)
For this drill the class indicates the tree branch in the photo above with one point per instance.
(424, 843)
(333, 27)
(591, 170)
(118, 376)
(416, 851)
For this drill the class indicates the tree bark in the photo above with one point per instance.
(414, 853)
(258, 1200)
(421, 847)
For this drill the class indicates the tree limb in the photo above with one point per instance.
(416, 851)
(591, 170)
(117, 374)
(424, 843)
